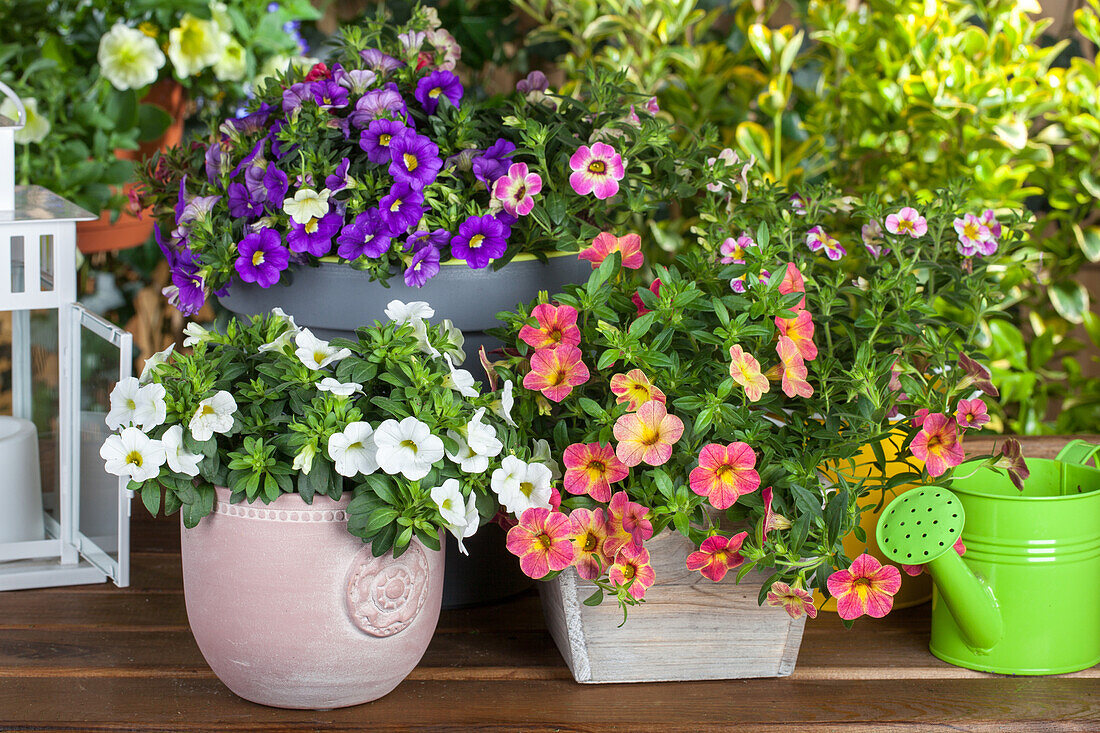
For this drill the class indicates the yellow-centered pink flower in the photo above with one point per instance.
(557, 325)
(745, 370)
(867, 587)
(800, 331)
(795, 601)
(542, 541)
(628, 524)
(591, 468)
(555, 372)
(588, 530)
(724, 473)
(635, 389)
(633, 571)
(647, 436)
(937, 444)
(717, 555)
(628, 245)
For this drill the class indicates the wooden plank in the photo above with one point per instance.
(1033, 446)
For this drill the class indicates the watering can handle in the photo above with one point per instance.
(1079, 451)
(18, 103)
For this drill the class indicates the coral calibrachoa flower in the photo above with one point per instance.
(867, 587)
(555, 372)
(795, 601)
(724, 473)
(915, 570)
(745, 370)
(542, 541)
(636, 299)
(793, 370)
(557, 326)
(907, 221)
(717, 555)
(635, 389)
(800, 332)
(588, 530)
(516, 189)
(792, 282)
(647, 436)
(633, 571)
(628, 245)
(628, 524)
(937, 444)
(771, 519)
(591, 468)
(971, 414)
(596, 170)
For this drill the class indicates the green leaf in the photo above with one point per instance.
(1071, 300)
(1089, 241)
(595, 599)
(150, 496)
(152, 122)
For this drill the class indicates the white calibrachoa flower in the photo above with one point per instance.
(340, 389)
(477, 446)
(448, 499)
(37, 126)
(503, 407)
(543, 455)
(134, 404)
(303, 461)
(132, 454)
(316, 353)
(402, 313)
(307, 204)
(473, 521)
(233, 63)
(521, 486)
(128, 58)
(195, 334)
(407, 447)
(179, 460)
(195, 44)
(460, 380)
(353, 450)
(286, 337)
(213, 415)
(156, 360)
(420, 331)
(457, 339)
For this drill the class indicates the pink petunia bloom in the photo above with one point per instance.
(724, 473)
(800, 331)
(971, 414)
(974, 236)
(542, 541)
(628, 524)
(937, 444)
(517, 188)
(647, 436)
(793, 370)
(745, 370)
(588, 530)
(634, 389)
(633, 571)
(733, 250)
(655, 288)
(916, 570)
(591, 468)
(557, 326)
(555, 372)
(867, 587)
(717, 555)
(596, 170)
(629, 246)
(907, 221)
(795, 601)
(792, 282)
(798, 204)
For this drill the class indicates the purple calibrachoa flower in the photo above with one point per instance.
(818, 240)
(276, 184)
(377, 104)
(423, 267)
(480, 239)
(435, 86)
(241, 203)
(256, 151)
(363, 237)
(414, 159)
(295, 96)
(377, 138)
(189, 294)
(872, 239)
(355, 81)
(338, 181)
(974, 236)
(493, 163)
(315, 236)
(217, 162)
(733, 250)
(536, 81)
(437, 238)
(516, 189)
(379, 62)
(401, 209)
(262, 257)
(196, 209)
(596, 170)
(254, 181)
(328, 94)
(907, 221)
(254, 121)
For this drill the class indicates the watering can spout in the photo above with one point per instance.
(920, 528)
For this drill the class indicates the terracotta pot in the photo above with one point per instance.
(290, 610)
(128, 230)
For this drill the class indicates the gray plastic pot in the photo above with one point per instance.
(333, 300)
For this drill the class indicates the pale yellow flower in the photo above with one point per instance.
(128, 58)
(233, 63)
(195, 44)
(36, 128)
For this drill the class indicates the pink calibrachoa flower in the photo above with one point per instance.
(989, 218)
(916, 570)
(733, 250)
(517, 188)
(976, 374)
(867, 587)
(919, 416)
(974, 236)
(591, 468)
(588, 530)
(629, 246)
(871, 232)
(800, 331)
(738, 285)
(795, 601)
(792, 282)
(907, 221)
(557, 326)
(818, 240)
(724, 473)
(745, 370)
(628, 524)
(771, 519)
(542, 541)
(1012, 460)
(647, 436)
(655, 288)
(635, 389)
(937, 444)
(555, 372)
(971, 414)
(793, 369)
(596, 170)
(717, 555)
(633, 571)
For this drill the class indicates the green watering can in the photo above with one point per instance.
(1025, 599)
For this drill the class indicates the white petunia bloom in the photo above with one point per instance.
(316, 353)
(402, 313)
(233, 63)
(36, 127)
(477, 446)
(460, 380)
(407, 447)
(307, 204)
(128, 58)
(340, 389)
(454, 335)
(353, 450)
(132, 454)
(521, 486)
(195, 44)
(134, 404)
(195, 334)
(179, 460)
(543, 455)
(213, 415)
(156, 360)
(503, 407)
(450, 502)
(473, 521)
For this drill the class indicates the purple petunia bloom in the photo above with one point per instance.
(338, 181)
(424, 266)
(378, 61)
(328, 94)
(536, 81)
(196, 209)
(479, 240)
(262, 257)
(365, 236)
(315, 236)
(175, 251)
(435, 86)
(401, 209)
(414, 159)
(377, 138)
(295, 96)
(378, 103)
(493, 163)
(241, 203)
(277, 146)
(275, 182)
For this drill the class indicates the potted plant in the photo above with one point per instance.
(708, 426)
(314, 480)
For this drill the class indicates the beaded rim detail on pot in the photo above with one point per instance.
(280, 515)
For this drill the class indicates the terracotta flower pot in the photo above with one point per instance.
(290, 610)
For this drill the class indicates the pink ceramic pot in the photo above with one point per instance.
(292, 611)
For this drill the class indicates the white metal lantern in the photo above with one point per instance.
(52, 533)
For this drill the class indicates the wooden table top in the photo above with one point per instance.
(92, 658)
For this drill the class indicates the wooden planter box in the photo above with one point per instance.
(689, 628)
